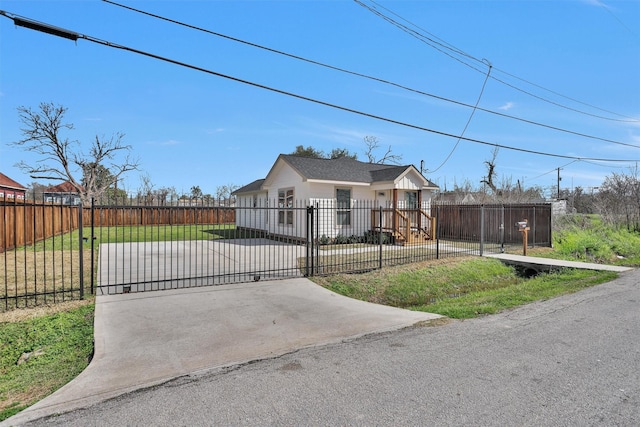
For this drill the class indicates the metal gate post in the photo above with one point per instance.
(93, 261)
(436, 232)
(380, 237)
(80, 250)
(309, 253)
(502, 230)
(481, 229)
(316, 256)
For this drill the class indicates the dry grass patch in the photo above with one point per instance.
(53, 274)
(20, 314)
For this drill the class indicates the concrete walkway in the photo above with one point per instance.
(530, 260)
(148, 338)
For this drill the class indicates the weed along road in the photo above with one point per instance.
(572, 360)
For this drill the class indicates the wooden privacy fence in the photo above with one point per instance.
(494, 223)
(25, 223)
(110, 216)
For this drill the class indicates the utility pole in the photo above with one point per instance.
(559, 179)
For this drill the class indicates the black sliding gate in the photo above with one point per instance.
(52, 253)
(268, 243)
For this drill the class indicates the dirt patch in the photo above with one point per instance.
(21, 314)
(441, 321)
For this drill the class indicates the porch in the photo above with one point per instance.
(406, 226)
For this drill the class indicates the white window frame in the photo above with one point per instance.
(347, 209)
(285, 206)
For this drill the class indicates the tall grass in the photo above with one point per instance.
(587, 238)
(459, 288)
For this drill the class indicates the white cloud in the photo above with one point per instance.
(214, 131)
(507, 106)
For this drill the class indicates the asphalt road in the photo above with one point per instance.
(573, 360)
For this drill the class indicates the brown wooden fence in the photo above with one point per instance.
(109, 216)
(497, 223)
(25, 223)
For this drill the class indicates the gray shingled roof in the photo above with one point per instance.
(343, 169)
(250, 188)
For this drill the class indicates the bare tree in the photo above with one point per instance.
(61, 158)
(223, 194)
(619, 199)
(373, 144)
(36, 190)
(145, 191)
(491, 171)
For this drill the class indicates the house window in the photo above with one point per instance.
(411, 199)
(343, 206)
(255, 201)
(285, 206)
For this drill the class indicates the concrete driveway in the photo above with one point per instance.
(148, 338)
(152, 266)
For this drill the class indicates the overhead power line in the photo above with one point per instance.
(50, 29)
(484, 84)
(451, 51)
(365, 76)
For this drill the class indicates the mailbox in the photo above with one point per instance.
(523, 227)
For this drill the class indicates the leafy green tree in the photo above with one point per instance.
(308, 152)
(196, 192)
(336, 153)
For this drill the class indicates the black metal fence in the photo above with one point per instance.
(43, 258)
(262, 240)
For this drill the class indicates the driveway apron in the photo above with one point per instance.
(144, 339)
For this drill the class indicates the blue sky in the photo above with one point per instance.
(192, 128)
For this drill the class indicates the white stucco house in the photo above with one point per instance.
(351, 198)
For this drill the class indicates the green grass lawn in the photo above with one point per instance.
(461, 288)
(59, 345)
(150, 233)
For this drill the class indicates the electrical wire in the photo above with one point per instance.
(484, 84)
(552, 170)
(439, 46)
(365, 76)
(46, 28)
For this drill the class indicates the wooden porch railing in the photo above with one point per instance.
(407, 226)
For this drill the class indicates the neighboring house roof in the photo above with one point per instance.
(343, 169)
(64, 187)
(254, 187)
(7, 182)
